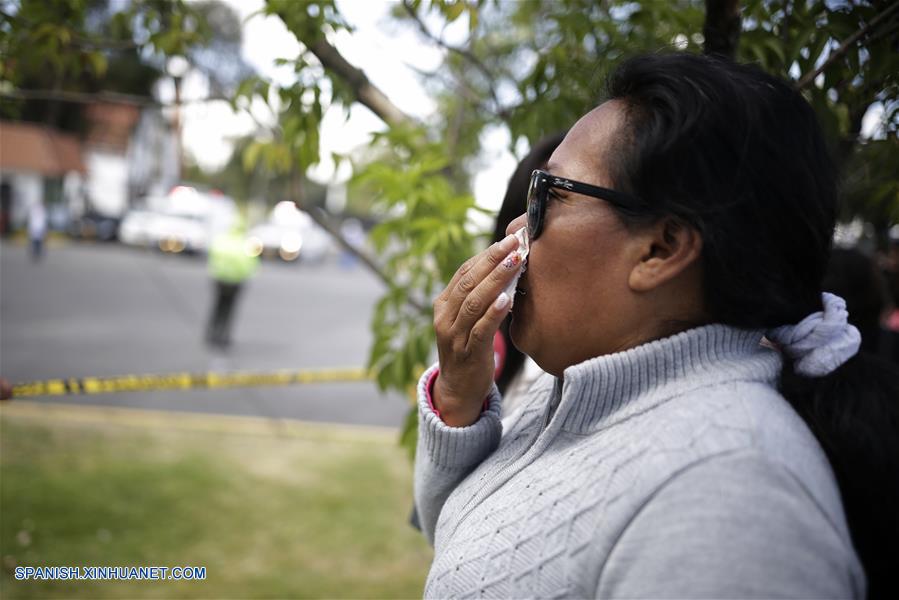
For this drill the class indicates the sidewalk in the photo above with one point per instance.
(54, 239)
(187, 422)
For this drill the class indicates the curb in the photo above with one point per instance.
(198, 422)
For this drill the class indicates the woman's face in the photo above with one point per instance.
(577, 302)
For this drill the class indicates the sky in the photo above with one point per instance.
(381, 48)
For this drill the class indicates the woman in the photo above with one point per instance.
(663, 454)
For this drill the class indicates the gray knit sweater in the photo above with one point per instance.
(674, 469)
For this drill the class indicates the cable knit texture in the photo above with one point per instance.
(674, 469)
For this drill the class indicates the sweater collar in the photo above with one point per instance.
(608, 388)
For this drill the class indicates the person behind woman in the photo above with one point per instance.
(516, 373)
(705, 418)
(37, 228)
(854, 276)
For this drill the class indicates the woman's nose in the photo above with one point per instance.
(517, 223)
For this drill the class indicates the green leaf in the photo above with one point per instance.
(409, 432)
(776, 47)
(98, 63)
(472, 18)
(251, 156)
(454, 10)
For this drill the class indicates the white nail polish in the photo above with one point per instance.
(502, 301)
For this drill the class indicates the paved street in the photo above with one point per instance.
(103, 310)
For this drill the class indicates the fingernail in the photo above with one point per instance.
(512, 261)
(502, 301)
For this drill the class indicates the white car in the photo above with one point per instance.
(291, 234)
(185, 220)
(180, 233)
(135, 228)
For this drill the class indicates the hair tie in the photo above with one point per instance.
(822, 341)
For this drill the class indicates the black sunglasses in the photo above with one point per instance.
(538, 194)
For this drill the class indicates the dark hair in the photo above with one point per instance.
(738, 154)
(854, 276)
(514, 204)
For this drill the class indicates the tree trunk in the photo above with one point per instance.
(722, 27)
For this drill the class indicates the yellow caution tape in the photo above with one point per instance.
(183, 381)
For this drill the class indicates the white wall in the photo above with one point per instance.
(107, 182)
(152, 157)
(27, 187)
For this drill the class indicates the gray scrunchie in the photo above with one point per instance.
(822, 341)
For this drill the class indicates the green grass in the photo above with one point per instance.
(307, 516)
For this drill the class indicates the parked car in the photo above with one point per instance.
(188, 233)
(291, 234)
(94, 226)
(185, 221)
(135, 229)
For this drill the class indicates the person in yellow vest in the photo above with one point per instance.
(231, 263)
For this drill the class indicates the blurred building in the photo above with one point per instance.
(131, 152)
(128, 151)
(36, 162)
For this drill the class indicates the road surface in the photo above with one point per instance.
(103, 310)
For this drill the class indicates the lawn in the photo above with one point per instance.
(286, 511)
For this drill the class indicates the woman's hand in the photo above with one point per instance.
(467, 314)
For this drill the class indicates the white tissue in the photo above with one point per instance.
(523, 249)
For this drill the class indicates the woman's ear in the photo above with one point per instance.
(666, 250)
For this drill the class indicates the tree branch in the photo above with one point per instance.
(466, 54)
(887, 31)
(80, 41)
(375, 100)
(90, 97)
(321, 217)
(499, 110)
(115, 97)
(721, 31)
(366, 92)
(465, 91)
(844, 47)
(104, 44)
(785, 26)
